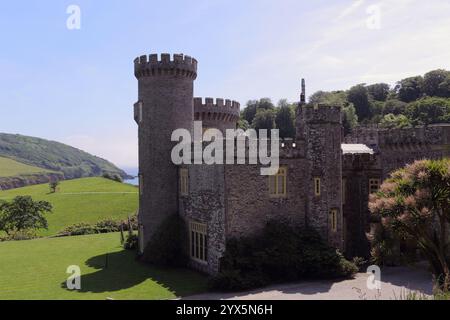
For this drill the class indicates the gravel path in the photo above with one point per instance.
(396, 282)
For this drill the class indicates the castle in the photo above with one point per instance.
(324, 180)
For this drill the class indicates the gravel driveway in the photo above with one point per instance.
(395, 283)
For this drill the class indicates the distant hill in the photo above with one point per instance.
(54, 156)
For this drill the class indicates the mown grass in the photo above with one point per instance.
(36, 269)
(12, 168)
(81, 200)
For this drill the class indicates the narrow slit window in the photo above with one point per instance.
(184, 181)
(317, 187)
(333, 219)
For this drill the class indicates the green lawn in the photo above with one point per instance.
(36, 269)
(82, 200)
(11, 168)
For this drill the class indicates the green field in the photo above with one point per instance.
(11, 168)
(82, 200)
(36, 269)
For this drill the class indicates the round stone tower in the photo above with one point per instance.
(220, 114)
(166, 89)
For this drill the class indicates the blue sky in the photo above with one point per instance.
(77, 86)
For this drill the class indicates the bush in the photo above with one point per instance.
(103, 226)
(279, 253)
(168, 246)
(19, 235)
(131, 243)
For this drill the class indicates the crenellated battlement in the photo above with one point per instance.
(321, 113)
(153, 65)
(218, 113)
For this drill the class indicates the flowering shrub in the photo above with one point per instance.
(414, 204)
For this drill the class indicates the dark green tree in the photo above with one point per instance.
(409, 89)
(432, 83)
(359, 97)
(22, 213)
(264, 119)
(285, 120)
(379, 91)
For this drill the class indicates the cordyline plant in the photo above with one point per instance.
(414, 203)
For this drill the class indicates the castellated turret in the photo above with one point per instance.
(165, 103)
(319, 128)
(220, 114)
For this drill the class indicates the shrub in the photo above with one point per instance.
(168, 246)
(19, 235)
(103, 226)
(279, 253)
(131, 243)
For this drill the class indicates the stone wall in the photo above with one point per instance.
(358, 169)
(249, 205)
(205, 204)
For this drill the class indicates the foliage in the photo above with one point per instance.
(53, 185)
(131, 243)
(414, 204)
(392, 121)
(55, 156)
(435, 83)
(359, 97)
(264, 119)
(19, 235)
(22, 213)
(379, 91)
(409, 89)
(168, 245)
(112, 176)
(350, 119)
(103, 226)
(429, 110)
(280, 253)
(253, 106)
(285, 120)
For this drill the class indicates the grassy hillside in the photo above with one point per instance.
(36, 269)
(81, 200)
(11, 168)
(56, 156)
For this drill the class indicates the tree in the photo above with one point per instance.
(392, 121)
(285, 120)
(350, 119)
(409, 89)
(379, 91)
(264, 119)
(414, 203)
(394, 106)
(359, 97)
(53, 186)
(432, 83)
(22, 213)
(253, 106)
(429, 110)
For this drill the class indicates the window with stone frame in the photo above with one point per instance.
(317, 186)
(333, 219)
(184, 181)
(277, 183)
(198, 242)
(374, 185)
